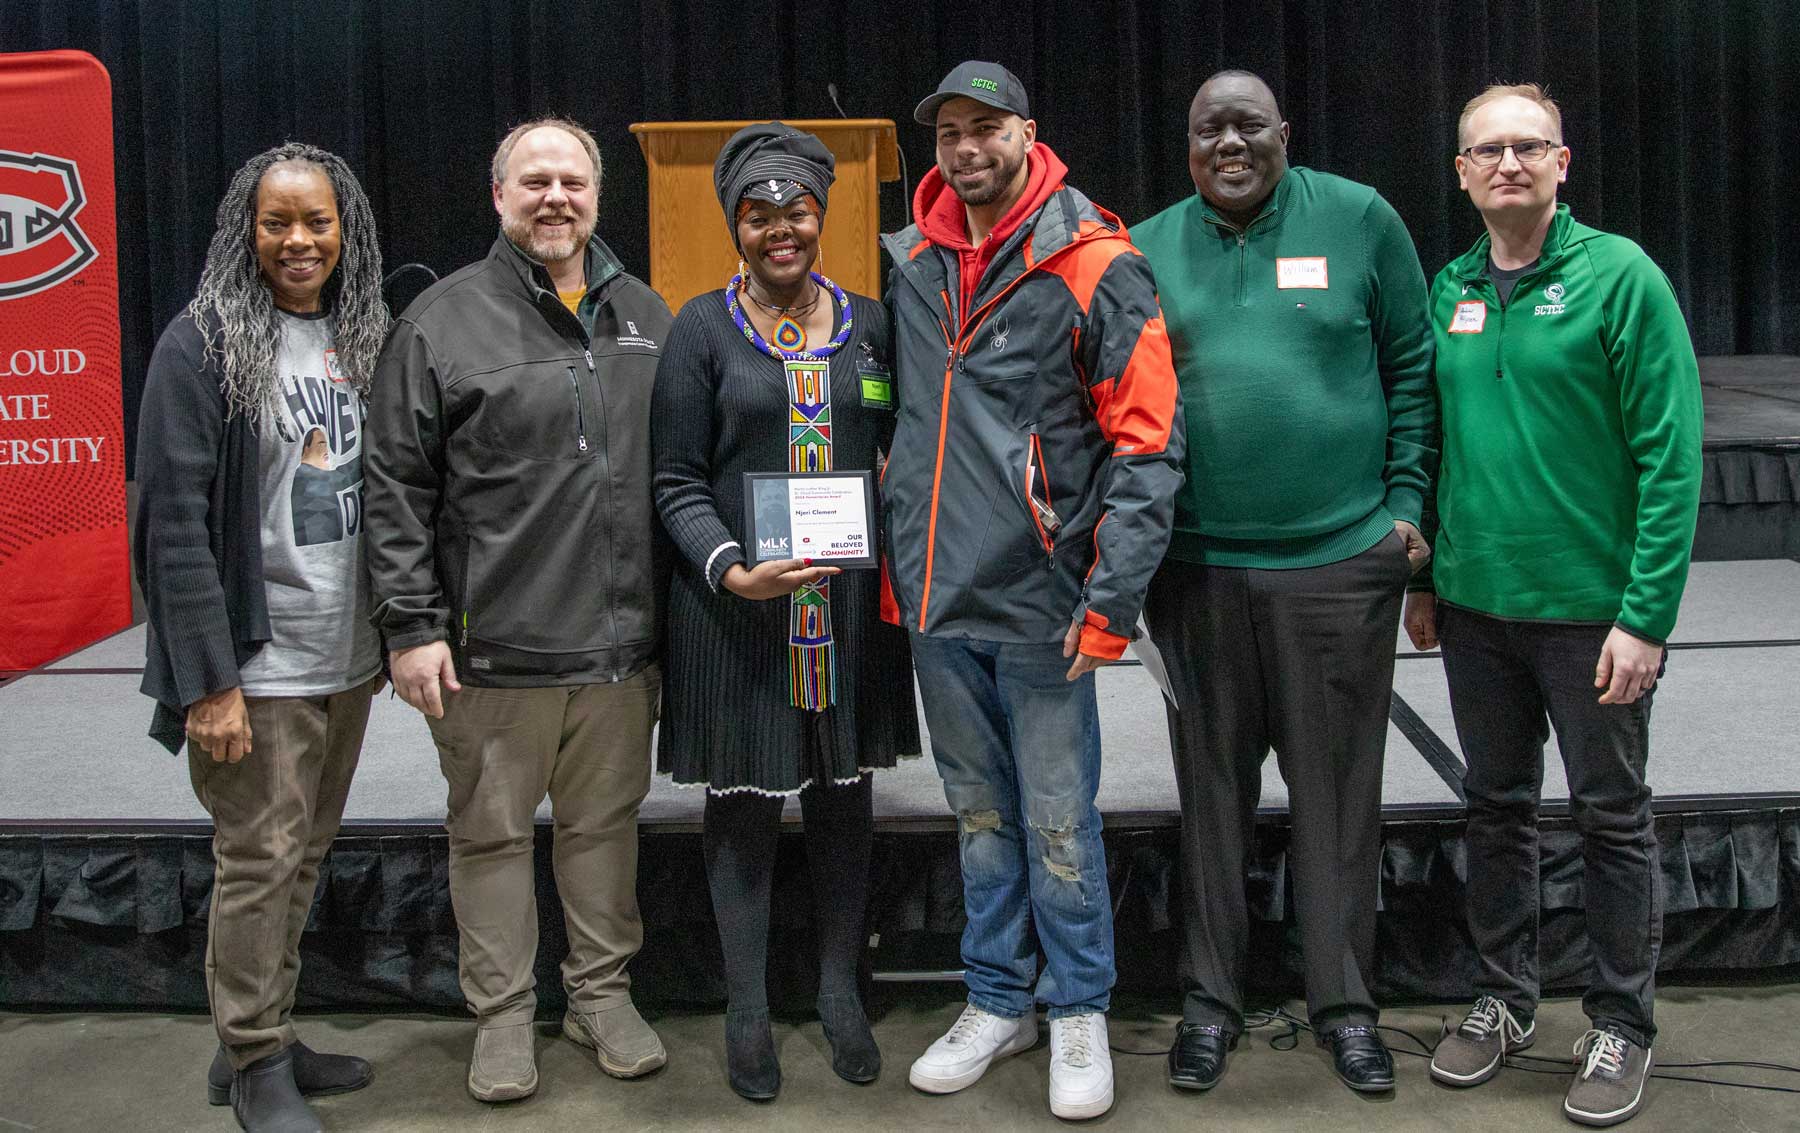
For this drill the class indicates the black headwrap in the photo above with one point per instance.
(771, 161)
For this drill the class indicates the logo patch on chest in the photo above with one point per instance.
(1553, 304)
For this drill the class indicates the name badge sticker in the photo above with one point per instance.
(1470, 318)
(1301, 271)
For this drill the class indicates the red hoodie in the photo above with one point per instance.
(942, 217)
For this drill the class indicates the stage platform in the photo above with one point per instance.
(1750, 493)
(105, 862)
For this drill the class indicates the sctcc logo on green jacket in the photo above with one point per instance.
(985, 84)
(1555, 306)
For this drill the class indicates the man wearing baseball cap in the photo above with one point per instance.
(1029, 495)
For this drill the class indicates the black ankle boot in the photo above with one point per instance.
(854, 1054)
(315, 1074)
(750, 1063)
(264, 1098)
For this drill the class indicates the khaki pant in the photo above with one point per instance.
(501, 751)
(274, 815)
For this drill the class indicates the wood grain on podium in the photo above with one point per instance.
(690, 246)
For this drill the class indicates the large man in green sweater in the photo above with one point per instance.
(1296, 310)
(1571, 482)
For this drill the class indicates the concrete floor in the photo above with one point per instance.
(140, 1072)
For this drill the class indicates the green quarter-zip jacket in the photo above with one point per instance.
(1304, 357)
(1571, 436)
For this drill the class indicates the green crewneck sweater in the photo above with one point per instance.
(1304, 356)
(1572, 424)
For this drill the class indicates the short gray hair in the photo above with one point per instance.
(504, 152)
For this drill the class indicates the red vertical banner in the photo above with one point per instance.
(64, 564)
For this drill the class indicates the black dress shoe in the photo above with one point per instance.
(1360, 1058)
(854, 1055)
(1197, 1060)
(750, 1063)
(315, 1074)
(264, 1098)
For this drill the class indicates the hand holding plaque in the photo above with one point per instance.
(826, 518)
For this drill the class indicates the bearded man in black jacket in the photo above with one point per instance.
(512, 554)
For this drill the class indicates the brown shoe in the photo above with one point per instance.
(503, 1067)
(622, 1042)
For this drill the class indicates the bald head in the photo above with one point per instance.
(1237, 144)
(1240, 84)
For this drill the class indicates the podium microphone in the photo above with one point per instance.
(831, 91)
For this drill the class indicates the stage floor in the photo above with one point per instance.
(1726, 719)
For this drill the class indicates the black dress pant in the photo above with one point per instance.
(1510, 682)
(1302, 661)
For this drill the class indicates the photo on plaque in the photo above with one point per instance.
(827, 517)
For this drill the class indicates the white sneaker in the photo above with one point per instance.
(962, 1056)
(1081, 1077)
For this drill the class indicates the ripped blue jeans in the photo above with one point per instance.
(1018, 748)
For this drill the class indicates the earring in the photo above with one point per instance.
(743, 275)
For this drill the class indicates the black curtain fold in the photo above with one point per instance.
(119, 920)
(1678, 115)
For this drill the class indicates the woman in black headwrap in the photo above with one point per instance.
(781, 678)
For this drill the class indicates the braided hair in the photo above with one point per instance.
(235, 311)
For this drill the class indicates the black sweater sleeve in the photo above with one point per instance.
(683, 432)
(181, 432)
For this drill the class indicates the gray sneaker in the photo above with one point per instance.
(1475, 1051)
(502, 1067)
(622, 1042)
(1609, 1080)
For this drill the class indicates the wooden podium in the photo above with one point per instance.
(690, 246)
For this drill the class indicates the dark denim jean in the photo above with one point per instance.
(1018, 748)
(1510, 682)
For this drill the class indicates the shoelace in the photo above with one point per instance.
(965, 1026)
(1075, 1049)
(1487, 1016)
(1605, 1052)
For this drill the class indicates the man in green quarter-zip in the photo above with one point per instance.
(1296, 313)
(1570, 487)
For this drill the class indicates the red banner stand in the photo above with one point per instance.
(64, 564)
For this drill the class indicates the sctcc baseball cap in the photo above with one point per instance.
(984, 82)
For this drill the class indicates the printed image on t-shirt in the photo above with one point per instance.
(327, 495)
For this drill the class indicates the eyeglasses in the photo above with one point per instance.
(1490, 153)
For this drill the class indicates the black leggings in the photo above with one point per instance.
(740, 832)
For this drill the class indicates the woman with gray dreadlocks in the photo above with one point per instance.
(249, 555)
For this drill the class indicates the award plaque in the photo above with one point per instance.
(828, 517)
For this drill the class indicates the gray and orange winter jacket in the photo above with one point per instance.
(1039, 443)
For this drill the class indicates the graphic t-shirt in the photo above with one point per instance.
(312, 521)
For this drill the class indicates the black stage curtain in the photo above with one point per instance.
(1678, 114)
(118, 921)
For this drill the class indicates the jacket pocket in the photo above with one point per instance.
(1038, 500)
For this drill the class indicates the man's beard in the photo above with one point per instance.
(552, 249)
(1004, 171)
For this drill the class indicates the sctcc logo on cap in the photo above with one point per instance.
(40, 243)
(985, 84)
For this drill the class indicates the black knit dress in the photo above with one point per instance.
(720, 410)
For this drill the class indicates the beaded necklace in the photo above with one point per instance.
(794, 346)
